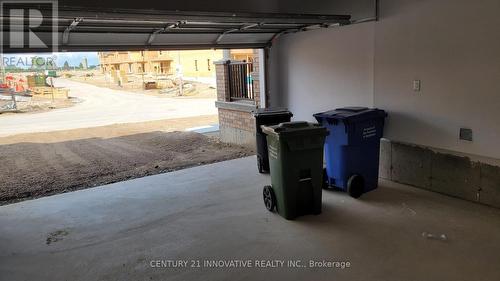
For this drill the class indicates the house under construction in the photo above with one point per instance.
(192, 63)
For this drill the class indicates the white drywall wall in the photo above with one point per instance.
(323, 69)
(453, 47)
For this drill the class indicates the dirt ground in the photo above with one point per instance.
(41, 164)
(38, 104)
(99, 106)
(198, 89)
(111, 131)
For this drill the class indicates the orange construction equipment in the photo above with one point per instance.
(19, 87)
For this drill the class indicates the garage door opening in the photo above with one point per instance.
(102, 114)
(76, 120)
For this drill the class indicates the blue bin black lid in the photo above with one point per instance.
(350, 114)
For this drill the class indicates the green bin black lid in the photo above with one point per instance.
(297, 127)
(271, 111)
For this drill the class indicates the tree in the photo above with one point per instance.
(80, 66)
(38, 63)
(66, 65)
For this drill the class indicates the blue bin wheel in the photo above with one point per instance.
(269, 198)
(355, 186)
(325, 184)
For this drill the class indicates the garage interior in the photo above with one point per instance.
(432, 65)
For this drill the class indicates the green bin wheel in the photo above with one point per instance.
(269, 198)
(260, 165)
(355, 186)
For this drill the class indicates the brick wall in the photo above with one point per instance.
(222, 83)
(237, 124)
(236, 119)
(256, 77)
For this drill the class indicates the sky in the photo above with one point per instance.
(73, 58)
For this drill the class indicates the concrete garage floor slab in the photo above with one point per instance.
(215, 212)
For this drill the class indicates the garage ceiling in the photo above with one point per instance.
(81, 29)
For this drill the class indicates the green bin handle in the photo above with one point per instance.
(293, 125)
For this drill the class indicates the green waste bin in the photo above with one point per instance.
(296, 166)
(51, 73)
(40, 80)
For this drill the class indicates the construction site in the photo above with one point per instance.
(28, 92)
(162, 73)
(108, 118)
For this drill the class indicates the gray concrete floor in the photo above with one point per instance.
(215, 212)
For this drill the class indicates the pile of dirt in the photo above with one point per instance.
(192, 89)
(37, 169)
(37, 105)
(111, 131)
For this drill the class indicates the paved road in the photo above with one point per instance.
(102, 106)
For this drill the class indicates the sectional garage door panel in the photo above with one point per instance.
(83, 30)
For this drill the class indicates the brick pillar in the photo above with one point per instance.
(256, 77)
(222, 80)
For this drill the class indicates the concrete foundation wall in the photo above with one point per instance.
(458, 65)
(237, 136)
(458, 176)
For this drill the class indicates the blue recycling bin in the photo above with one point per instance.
(352, 148)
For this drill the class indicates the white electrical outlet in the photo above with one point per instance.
(416, 85)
